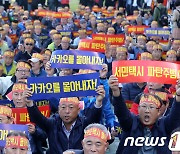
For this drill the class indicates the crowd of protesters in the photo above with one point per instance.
(26, 44)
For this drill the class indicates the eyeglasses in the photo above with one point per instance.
(150, 108)
(25, 71)
(24, 18)
(29, 44)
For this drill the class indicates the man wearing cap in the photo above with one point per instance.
(6, 115)
(147, 123)
(37, 64)
(65, 130)
(16, 143)
(22, 72)
(28, 50)
(95, 140)
(9, 65)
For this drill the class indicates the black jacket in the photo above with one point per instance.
(58, 141)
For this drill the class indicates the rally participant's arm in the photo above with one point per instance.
(36, 132)
(94, 115)
(120, 109)
(106, 108)
(34, 113)
(49, 69)
(172, 121)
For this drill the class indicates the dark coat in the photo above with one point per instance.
(132, 126)
(58, 141)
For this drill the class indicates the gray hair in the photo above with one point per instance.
(100, 126)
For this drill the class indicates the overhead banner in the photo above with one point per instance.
(137, 29)
(76, 59)
(161, 32)
(7, 128)
(117, 39)
(21, 115)
(99, 20)
(92, 45)
(76, 33)
(131, 17)
(64, 86)
(108, 14)
(146, 71)
(45, 13)
(66, 33)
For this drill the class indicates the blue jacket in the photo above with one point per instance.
(58, 141)
(132, 126)
(107, 113)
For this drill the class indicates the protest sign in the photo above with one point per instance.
(137, 29)
(64, 86)
(76, 59)
(52, 14)
(146, 71)
(117, 39)
(161, 32)
(21, 115)
(7, 128)
(92, 45)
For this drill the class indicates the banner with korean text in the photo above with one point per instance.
(66, 33)
(7, 103)
(117, 39)
(137, 29)
(21, 115)
(7, 128)
(99, 20)
(52, 14)
(161, 32)
(146, 71)
(92, 45)
(76, 33)
(77, 59)
(64, 86)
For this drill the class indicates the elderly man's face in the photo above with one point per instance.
(94, 145)
(13, 150)
(171, 58)
(148, 113)
(156, 54)
(68, 112)
(22, 73)
(18, 99)
(121, 56)
(5, 119)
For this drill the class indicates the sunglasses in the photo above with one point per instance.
(29, 44)
(24, 18)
